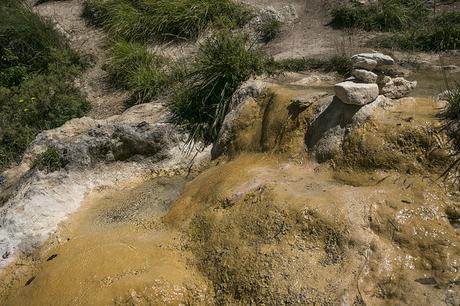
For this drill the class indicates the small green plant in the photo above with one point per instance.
(269, 29)
(50, 161)
(223, 62)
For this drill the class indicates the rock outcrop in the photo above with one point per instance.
(105, 152)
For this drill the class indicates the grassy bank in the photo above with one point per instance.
(37, 70)
(414, 24)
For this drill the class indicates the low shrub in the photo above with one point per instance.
(223, 62)
(269, 29)
(50, 161)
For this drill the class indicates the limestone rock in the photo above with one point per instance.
(364, 75)
(243, 109)
(356, 93)
(364, 63)
(301, 103)
(396, 88)
(380, 58)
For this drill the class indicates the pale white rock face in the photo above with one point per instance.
(106, 152)
(380, 58)
(396, 88)
(364, 75)
(364, 63)
(356, 93)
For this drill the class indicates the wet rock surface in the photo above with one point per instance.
(96, 153)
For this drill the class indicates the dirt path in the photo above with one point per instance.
(88, 41)
(309, 35)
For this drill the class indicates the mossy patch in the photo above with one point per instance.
(50, 161)
(403, 147)
(248, 249)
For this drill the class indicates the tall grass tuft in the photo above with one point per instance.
(145, 20)
(451, 117)
(131, 66)
(223, 62)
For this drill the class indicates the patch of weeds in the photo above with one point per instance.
(393, 287)
(50, 161)
(338, 63)
(144, 20)
(269, 29)
(414, 27)
(37, 72)
(223, 62)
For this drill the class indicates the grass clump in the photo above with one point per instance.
(269, 29)
(223, 62)
(145, 20)
(414, 27)
(50, 161)
(37, 70)
(132, 67)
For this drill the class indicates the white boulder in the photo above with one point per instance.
(380, 58)
(356, 93)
